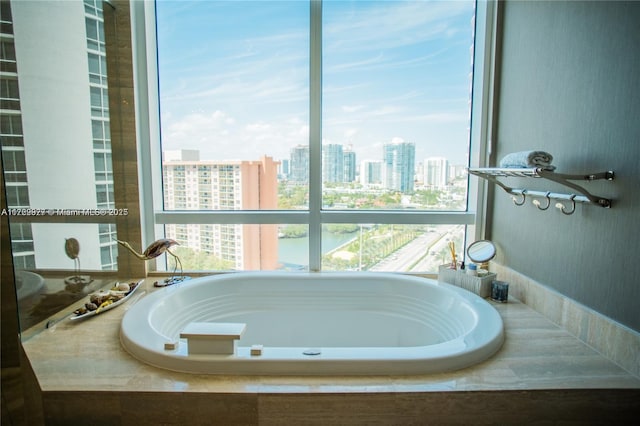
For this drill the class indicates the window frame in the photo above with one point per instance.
(153, 217)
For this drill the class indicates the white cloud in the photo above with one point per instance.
(219, 116)
(393, 24)
(385, 110)
(260, 127)
(351, 108)
(303, 132)
(196, 129)
(437, 118)
(219, 136)
(366, 63)
(349, 134)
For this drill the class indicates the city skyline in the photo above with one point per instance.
(234, 76)
(341, 166)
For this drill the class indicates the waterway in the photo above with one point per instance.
(296, 250)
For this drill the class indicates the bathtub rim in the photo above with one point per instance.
(438, 358)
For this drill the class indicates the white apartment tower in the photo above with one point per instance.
(436, 172)
(56, 145)
(371, 172)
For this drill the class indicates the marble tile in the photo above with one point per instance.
(575, 319)
(627, 351)
(613, 340)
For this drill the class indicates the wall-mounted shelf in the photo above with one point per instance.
(493, 175)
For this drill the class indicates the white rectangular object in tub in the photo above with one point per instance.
(212, 337)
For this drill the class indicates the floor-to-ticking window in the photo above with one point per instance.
(270, 135)
(314, 135)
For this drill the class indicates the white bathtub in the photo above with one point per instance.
(354, 323)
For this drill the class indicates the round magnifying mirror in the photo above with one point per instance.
(481, 251)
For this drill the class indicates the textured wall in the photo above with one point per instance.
(570, 84)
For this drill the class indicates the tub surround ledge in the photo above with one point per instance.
(612, 339)
(541, 372)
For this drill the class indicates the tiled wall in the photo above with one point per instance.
(611, 339)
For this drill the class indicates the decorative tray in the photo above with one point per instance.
(104, 300)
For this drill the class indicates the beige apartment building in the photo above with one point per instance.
(192, 184)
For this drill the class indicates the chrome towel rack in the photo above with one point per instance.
(542, 199)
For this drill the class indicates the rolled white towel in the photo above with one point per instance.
(528, 159)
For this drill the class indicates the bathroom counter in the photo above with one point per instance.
(85, 358)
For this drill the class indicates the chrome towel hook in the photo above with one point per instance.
(515, 200)
(573, 203)
(539, 205)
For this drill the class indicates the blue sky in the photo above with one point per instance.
(234, 76)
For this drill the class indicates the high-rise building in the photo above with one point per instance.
(55, 128)
(284, 169)
(436, 172)
(398, 165)
(349, 164)
(332, 163)
(181, 155)
(225, 185)
(299, 172)
(456, 171)
(371, 172)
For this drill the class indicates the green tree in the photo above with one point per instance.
(196, 260)
(294, 231)
(341, 228)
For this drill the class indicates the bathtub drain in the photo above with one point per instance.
(311, 351)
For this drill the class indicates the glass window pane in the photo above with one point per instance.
(10, 124)
(396, 102)
(18, 246)
(395, 123)
(227, 247)
(94, 63)
(390, 248)
(13, 161)
(20, 231)
(7, 51)
(101, 194)
(96, 127)
(9, 89)
(234, 99)
(96, 97)
(17, 196)
(92, 29)
(24, 261)
(98, 160)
